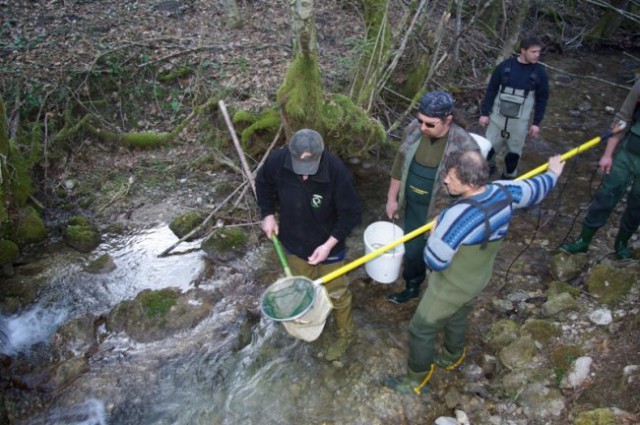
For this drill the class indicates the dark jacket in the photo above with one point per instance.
(519, 76)
(324, 205)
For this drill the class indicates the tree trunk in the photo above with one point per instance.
(4, 173)
(608, 23)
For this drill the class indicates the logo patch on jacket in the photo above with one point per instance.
(316, 201)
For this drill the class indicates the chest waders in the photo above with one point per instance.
(418, 190)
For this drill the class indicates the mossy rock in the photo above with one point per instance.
(225, 243)
(9, 251)
(557, 287)
(610, 285)
(29, 228)
(102, 264)
(155, 315)
(600, 416)
(540, 330)
(502, 333)
(563, 356)
(81, 234)
(185, 223)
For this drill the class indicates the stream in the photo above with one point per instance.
(235, 367)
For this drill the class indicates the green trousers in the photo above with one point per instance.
(337, 288)
(625, 169)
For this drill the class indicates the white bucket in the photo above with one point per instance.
(385, 268)
(483, 143)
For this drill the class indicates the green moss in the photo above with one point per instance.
(79, 220)
(9, 251)
(174, 74)
(242, 116)
(20, 178)
(608, 284)
(147, 139)
(158, 303)
(540, 330)
(81, 234)
(269, 121)
(186, 222)
(227, 239)
(558, 287)
(599, 416)
(301, 94)
(102, 264)
(29, 227)
(562, 357)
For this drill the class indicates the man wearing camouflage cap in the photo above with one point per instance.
(415, 176)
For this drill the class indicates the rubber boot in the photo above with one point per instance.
(511, 161)
(449, 361)
(344, 323)
(339, 347)
(411, 291)
(582, 243)
(412, 382)
(491, 159)
(623, 252)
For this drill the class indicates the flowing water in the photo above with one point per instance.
(235, 367)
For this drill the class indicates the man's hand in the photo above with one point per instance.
(534, 130)
(556, 164)
(605, 164)
(270, 226)
(392, 209)
(483, 120)
(319, 255)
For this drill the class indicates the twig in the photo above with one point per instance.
(204, 222)
(588, 77)
(236, 142)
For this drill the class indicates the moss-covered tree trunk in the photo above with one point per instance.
(4, 174)
(300, 96)
(608, 22)
(375, 54)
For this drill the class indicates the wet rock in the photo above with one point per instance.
(559, 303)
(608, 284)
(81, 235)
(9, 251)
(225, 243)
(578, 374)
(73, 338)
(29, 227)
(154, 315)
(103, 264)
(565, 267)
(540, 402)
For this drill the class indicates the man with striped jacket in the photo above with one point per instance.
(460, 252)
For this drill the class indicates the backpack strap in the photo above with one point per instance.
(488, 210)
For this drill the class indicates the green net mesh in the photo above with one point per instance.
(288, 299)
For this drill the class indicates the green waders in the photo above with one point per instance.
(625, 169)
(420, 181)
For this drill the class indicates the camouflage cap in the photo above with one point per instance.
(436, 104)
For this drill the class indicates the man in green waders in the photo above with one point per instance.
(518, 88)
(461, 251)
(415, 177)
(620, 169)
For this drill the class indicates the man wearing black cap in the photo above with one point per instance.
(314, 194)
(415, 177)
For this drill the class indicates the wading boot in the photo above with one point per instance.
(623, 252)
(411, 291)
(339, 347)
(411, 383)
(449, 361)
(582, 243)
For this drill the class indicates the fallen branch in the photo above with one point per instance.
(587, 77)
(204, 222)
(245, 167)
